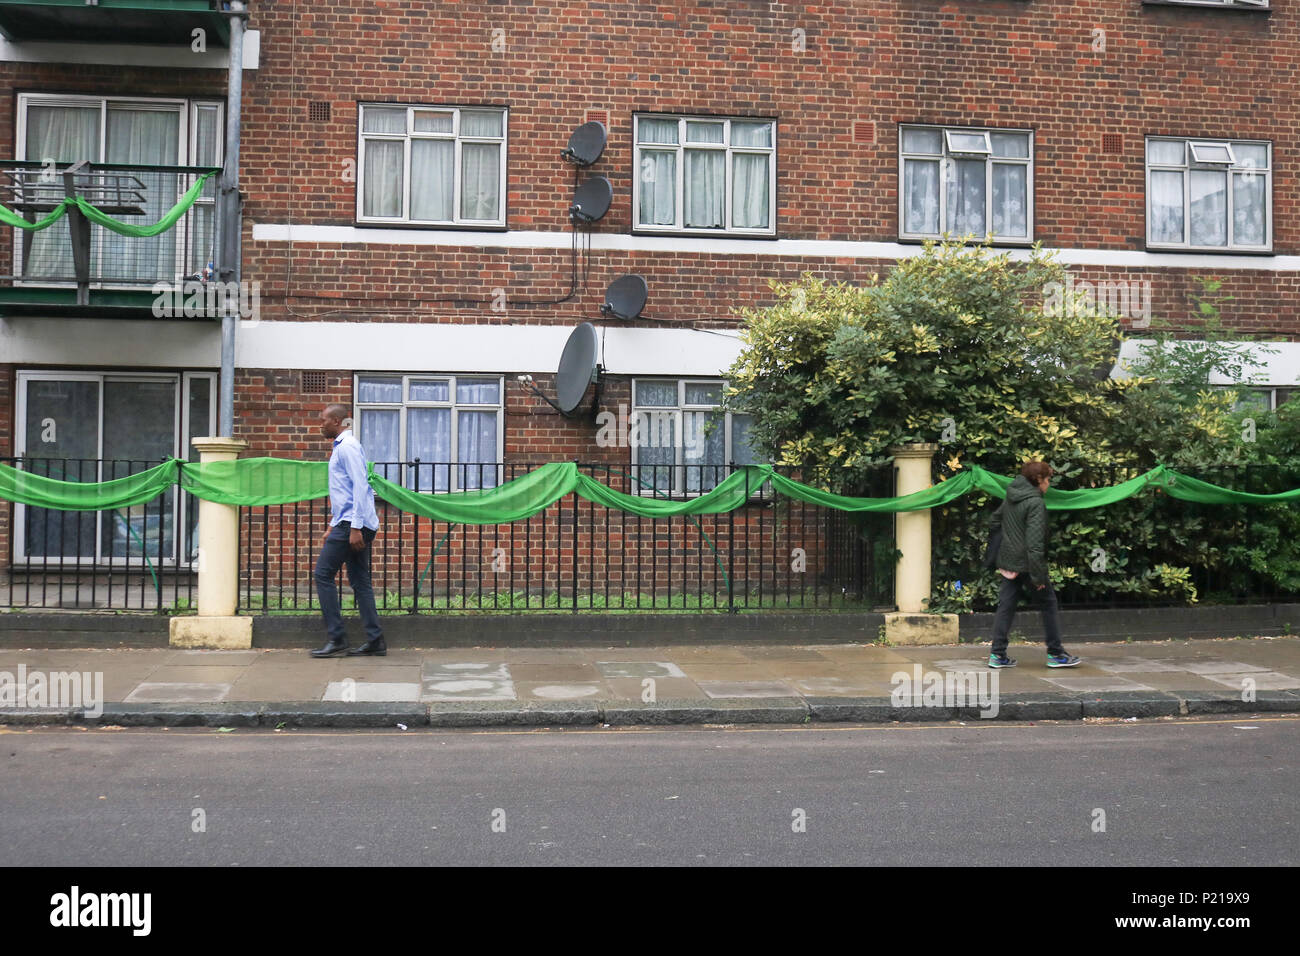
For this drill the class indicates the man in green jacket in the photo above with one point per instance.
(1022, 563)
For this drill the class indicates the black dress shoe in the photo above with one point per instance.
(376, 647)
(331, 649)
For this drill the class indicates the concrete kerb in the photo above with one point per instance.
(776, 710)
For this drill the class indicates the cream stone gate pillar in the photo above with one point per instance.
(216, 625)
(910, 624)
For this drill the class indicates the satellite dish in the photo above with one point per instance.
(591, 200)
(586, 144)
(577, 367)
(625, 297)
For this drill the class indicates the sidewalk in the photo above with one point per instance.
(485, 687)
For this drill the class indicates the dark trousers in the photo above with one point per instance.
(1009, 596)
(337, 552)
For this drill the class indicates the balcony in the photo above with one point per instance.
(169, 22)
(77, 264)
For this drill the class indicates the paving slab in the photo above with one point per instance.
(1215, 666)
(466, 687)
(372, 691)
(202, 658)
(569, 690)
(630, 688)
(754, 688)
(1095, 684)
(575, 670)
(1260, 680)
(200, 674)
(659, 670)
(734, 672)
(177, 692)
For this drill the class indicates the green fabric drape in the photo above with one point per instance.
(254, 482)
(41, 492)
(1057, 500)
(143, 232)
(11, 218)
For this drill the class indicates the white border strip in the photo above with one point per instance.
(789, 248)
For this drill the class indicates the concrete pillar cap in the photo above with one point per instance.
(217, 445)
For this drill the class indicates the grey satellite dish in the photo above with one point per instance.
(586, 144)
(577, 367)
(625, 297)
(591, 200)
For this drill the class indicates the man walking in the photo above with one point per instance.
(353, 523)
(1022, 563)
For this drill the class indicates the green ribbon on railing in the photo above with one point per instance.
(11, 218)
(254, 482)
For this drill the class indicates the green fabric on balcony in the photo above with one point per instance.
(11, 218)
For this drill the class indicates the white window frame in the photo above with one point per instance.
(678, 468)
(1254, 4)
(186, 148)
(180, 439)
(453, 483)
(990, 161)
(1188, 164)
(455, 135)
(679, 203)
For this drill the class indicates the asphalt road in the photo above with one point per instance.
(1173, 793)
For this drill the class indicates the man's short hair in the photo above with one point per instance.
(1036, 471)
(336, 411)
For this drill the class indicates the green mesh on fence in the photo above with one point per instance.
(276, 481)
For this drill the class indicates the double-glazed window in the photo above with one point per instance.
(153, 137)
(97, 426)
(432, 432)
(1209, 194)
(432, 165)
(1250, 4)
(966, 182)
(705, 174)
(684, 443)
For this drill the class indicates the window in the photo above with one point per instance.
(441, 166)
(450, 424)
(1209, 194)
(684, 444)
(57, 131)
(704, 173)
(1249, 4)
(96, 426)
(966, 182)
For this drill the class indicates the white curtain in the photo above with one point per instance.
(658, 174)
(57, 136)
(1010, 200)
(379, 434)
(1248, 196)
(150, 138)
(1166, 206)
(433, 172)
(704, 449)
(476, 441)
(921, 197)
(1209, 207)
(428, 438)
(749, 198)
(966, 197)
(382, 190)
(480, 180)
(705, 181)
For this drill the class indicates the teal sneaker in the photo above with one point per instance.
(1000, 660)
(1062, 660)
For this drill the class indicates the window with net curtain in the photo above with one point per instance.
(682, 437)
(1208, 194)
(949, 190)
(134, 134)
(451, 424)
(410, 171)
(705, 174)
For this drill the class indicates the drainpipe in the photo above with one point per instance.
(228, 266)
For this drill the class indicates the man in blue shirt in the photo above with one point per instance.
(353, 523)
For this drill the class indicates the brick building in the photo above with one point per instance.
(407, 213)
